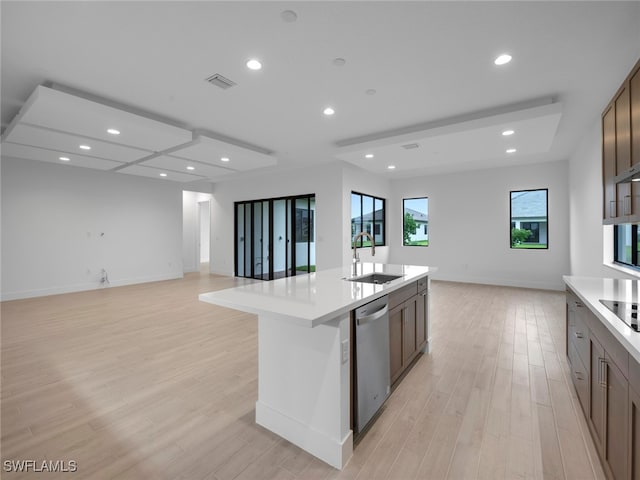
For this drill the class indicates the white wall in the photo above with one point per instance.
(325, 181)
(205, 229)
(191, 229)
(589, 239)
(469, 226)
(53, 221)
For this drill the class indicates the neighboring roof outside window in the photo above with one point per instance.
(529, 204)
(368, 217)
(417, 216)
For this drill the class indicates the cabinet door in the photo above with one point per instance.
(609, 163)
(597, 388)
(623, 131)
(421, 319)
(634, 100)
(409, 330)
(623, 150)
(395, 342)
(617, 420)
(634, 435)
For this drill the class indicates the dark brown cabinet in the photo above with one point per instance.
(634, 434)
(597, 395)
(621, 151)
(408, 326)
(395, 342)
(604, 386)
(610, 209)
(616, 416)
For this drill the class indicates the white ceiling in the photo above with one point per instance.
(431, 64)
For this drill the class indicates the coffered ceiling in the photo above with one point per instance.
(396, 73)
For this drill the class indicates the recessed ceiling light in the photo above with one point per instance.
(163, 174)
(339, 62)
(289, 16)
(328, 111)
(502, 59)
(254, 64)
(511, 150)
(113, 131)
(370, 91)
(85, 147)
(391, 167)
(65, 159)
(224, 159)
(506, 133)
(369, 155)
(191, 168)
(635, 179)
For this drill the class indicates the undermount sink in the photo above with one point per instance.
(377, 278)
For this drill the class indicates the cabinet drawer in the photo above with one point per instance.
(402, 295)
(578, 334)
(580, 377)
(422, 284)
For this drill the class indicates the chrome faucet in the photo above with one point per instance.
(356, 259)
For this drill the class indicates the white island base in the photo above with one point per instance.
(304, 351)
(303, 386)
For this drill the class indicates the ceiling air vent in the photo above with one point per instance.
(410, 146)
(220, 81)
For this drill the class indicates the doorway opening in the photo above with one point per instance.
(204, 233)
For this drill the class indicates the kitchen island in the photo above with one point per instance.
(304, 345)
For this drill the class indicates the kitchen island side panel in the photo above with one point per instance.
(303, 385)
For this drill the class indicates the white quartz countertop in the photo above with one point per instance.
(312, 299)
(591, 290)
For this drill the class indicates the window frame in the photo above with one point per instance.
(425, 225)
(383, 219)
(511, 221)
(634, 251)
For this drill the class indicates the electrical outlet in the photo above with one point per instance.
(345, 351)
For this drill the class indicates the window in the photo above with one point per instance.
(274, 237)
(368, 215)
(529, 219)
(415, 222)
(625, 236)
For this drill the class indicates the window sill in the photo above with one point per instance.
(621, 268)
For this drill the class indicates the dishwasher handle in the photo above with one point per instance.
(373, 317)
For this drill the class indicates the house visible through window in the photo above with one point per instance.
(529, 219)
(415, 222)
(368, 215)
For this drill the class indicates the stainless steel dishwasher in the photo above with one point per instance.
(372, 359)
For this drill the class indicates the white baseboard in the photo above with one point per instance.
(335, 453)
(82, 287)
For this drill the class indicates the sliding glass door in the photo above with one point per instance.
(275, 238)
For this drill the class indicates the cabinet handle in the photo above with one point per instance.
(579, 305)
(578, 335)
(579, 376)
(627, 211)
(602, 368)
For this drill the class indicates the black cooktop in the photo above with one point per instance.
(626, 311)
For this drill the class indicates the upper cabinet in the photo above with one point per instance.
(621, 151)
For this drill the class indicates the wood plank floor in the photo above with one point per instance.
(146, 382)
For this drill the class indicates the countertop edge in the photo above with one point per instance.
(605, 316)
(314, 322)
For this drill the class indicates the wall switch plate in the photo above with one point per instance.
(345, 351)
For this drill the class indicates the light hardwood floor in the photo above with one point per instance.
(146, 382)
